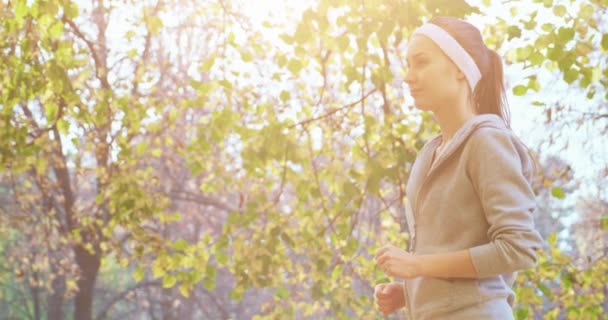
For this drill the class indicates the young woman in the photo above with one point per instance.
(469, 198)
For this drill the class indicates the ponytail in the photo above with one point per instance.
(489, 93)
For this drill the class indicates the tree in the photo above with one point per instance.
(256, 169)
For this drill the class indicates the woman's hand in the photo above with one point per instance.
(389, 297)
(398, 263)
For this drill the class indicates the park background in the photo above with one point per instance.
(236, 159)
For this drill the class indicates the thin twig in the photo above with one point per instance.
(331, 112)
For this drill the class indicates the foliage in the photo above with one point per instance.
(241, 162)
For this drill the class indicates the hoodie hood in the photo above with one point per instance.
(461, 136)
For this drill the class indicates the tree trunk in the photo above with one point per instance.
(168, 312)
(89, 266)
(54, 301)
(36, 297)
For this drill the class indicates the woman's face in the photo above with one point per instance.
(434, 80)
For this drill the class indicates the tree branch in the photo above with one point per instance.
(331, 112)
(102, 76)
(201, 199)
(122, 295)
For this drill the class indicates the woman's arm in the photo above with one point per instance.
(447, 265)
(500, 168)
(396, 262)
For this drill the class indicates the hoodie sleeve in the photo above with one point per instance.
(500, 170)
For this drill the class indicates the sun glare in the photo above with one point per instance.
(272, 10)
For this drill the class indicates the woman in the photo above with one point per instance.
(470, 201)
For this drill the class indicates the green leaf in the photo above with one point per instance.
(524, 53)
(513, 32)
(538, 104)
(141, 147)
(555, 53)
(350, 189)
(337, 272)
(343, 42)
(70, 10)
(209, 283)
(547, 27)
(169, 281)
(605, 42)
(154, 24)
(520, 90)
(586, 11)
(351, 247)
(246, 56)
(184, 289)
(294, 66)
(559, 10)
(565, 34)
(63, 126)
(286, 38)
(21, 9)
(566, 62)
(590, 92)
(56, 30)
(236, 294)
(157, 152)
(552, 239)
(282, 293)
(285, 95)
(207, 64)
(604, 221)
(521, 314)
(51, 110)
(536, 59)
(567, 280)
(222, 258)
(558, 192)
(288, 240)
(226, 84)
(158, 269)
(303, 32)
(534, 84)
(570, 75)
(545, 290)
(181, 245)
(132, 53)
(138, 274)
(360, 59)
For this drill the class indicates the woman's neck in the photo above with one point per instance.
(452, 119)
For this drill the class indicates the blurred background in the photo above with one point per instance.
(240, 159)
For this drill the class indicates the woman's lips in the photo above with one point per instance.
(415, 92)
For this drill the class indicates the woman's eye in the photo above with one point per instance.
(416, 63)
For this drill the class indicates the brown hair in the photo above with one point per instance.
(489, 95)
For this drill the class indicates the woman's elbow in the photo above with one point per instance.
(524, 258)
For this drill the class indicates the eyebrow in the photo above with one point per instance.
(417, 54)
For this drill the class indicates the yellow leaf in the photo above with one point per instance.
(138, 274)
(184, 290)
(169, 281)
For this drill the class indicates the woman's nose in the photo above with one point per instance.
(409, 77)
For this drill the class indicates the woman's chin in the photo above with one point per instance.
(420, 105)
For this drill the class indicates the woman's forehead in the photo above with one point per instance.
(421, 44)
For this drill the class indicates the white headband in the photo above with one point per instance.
(453, 50)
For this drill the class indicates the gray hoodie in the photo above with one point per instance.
(477, 196)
